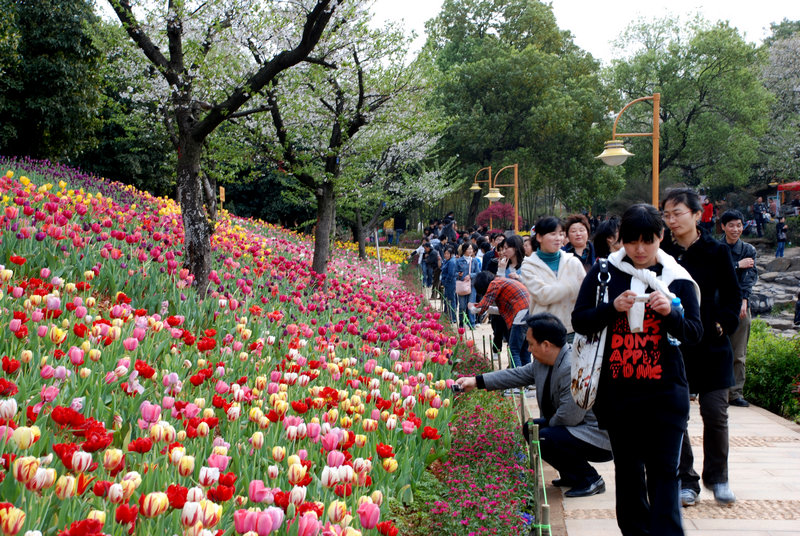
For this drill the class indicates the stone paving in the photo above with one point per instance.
(764, 467)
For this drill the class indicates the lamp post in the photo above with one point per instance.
(494, 193)
(476, 186)
(615, 153)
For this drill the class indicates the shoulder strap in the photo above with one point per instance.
(603, 277)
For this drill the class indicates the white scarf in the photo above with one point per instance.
(642, 278)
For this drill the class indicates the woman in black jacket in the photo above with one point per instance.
(643, 396)
(709, 364)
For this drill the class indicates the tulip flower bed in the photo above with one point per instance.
(484, 484)
(285, 402)
(390, 254)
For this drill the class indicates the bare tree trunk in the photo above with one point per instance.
(196, 224)
(473, 209)
(360, 236)
(322, 237)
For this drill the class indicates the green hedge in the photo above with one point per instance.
(773, 371)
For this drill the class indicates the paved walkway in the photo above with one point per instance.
(764, 468)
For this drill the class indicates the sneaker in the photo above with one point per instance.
(688, 497)
(723, 494)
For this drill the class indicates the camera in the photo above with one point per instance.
(457, 388)
(642, 298)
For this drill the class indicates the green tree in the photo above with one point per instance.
(515, 89)
(48, 76)
(713, 106)
(203, 52)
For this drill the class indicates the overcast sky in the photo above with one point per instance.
(594, 23)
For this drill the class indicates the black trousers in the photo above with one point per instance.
(499, 332)
(714, 411)
(571, 456)
(646, 473)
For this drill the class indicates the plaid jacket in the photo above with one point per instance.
(509, 295)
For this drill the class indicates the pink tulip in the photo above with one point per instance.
(245, 521)
(258, 492)
(308, 525)
(276, 515)
(336, 458)
(221, 387)
(150, 412)
(313, 430)
(49, 393)
(130, 344)
(369, 514)
(330, 441)
(218, 461)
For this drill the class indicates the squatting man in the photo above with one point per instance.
(569, 435)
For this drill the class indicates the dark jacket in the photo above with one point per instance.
(709, 364)
(579, 422)
(589, 256)
(643, 377)
(449, 232)
(747, 277)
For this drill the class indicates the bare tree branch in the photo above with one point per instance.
(125, 14)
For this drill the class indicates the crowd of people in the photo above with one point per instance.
(677, 321)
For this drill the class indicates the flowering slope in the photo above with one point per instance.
(279, 404)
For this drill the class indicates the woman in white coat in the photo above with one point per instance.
(553, 276)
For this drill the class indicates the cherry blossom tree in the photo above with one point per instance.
(203, 51)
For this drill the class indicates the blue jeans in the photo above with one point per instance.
(427, 275)
(462, 309)
(397, 233)
(450, 300)
(518, 345)
(779, 250)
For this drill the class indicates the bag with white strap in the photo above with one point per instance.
(587, 351)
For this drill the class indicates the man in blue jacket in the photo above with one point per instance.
(569, 435)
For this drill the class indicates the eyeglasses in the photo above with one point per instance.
(673, 215)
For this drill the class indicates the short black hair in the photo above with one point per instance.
(547, 327)
(605, 230)
(731, 215)
(687, 196)
(547, 225)
(481, 282)
(641, 221)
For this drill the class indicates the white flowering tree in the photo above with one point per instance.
(204, 51)
(406, 174)
(331, 116)
(781, 143)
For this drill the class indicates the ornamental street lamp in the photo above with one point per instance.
(476, 186)
(614, 153)
(494, 193)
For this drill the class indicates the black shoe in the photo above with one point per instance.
(598, 486)
(740, 403)
(563, 483)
